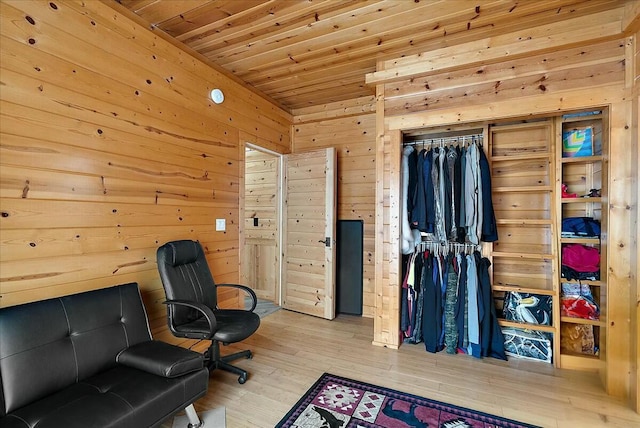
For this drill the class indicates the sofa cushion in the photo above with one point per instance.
(152, 397)
(36, 354)
(161, 359)
(48, 345)
(120, 397)
(77, 405)
(104, 322)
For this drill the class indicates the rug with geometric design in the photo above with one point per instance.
(337, 402)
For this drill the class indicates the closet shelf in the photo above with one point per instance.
(585, 282)
(524, 221)
(519, 289)
(583, 159)
(572, 320)
(523, 156)
(581, 200)
(530, 256)
(591, 241)
(582, 118)
(522, 189)
(527, 326)
(577, 361)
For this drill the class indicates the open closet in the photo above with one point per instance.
(523, 187)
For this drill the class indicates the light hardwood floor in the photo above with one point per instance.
(292, 350)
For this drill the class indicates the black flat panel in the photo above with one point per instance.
(349, 248)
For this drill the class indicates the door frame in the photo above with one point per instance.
(241, 214)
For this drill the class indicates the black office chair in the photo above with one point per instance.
(193, 305)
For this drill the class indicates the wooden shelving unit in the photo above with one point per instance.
(524, 193)
(581, 174)
(528, 170)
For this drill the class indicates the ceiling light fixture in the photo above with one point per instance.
(216, 96)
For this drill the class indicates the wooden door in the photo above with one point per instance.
(308, 211)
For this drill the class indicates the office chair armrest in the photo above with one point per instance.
(204, 309)
(246, 289)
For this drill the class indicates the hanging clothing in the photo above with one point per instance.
(432, 315)
(419, 216)
(447, 304)
(462, 303)
(451, 297)
(448, 194)
(489, 226)
(462, 211)
(473, 309)
(446, 296)
(491, 333)
(438, 191)
(408, 243)
(471, 194)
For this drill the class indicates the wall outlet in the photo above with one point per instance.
(221, 225)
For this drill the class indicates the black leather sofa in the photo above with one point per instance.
(88, 360)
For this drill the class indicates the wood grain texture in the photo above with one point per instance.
(305, 54)
(261, 249)
(292, 350)
(309, 232)
(109, 147)
(349, 127)
(452, 104)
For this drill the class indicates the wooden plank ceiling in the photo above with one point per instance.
(310, 52)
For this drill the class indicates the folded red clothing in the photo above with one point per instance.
(579, 307)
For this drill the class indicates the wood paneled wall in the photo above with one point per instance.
(350, 128)
(261, 248)
(109, 148)
(534, 79)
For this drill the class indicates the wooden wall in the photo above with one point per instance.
(261, 247)
(110, 147)
(522, 76)
(350, 128)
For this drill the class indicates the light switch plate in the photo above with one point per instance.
(221, 225)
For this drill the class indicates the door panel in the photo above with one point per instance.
(308, 283)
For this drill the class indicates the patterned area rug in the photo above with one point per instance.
(337, 402)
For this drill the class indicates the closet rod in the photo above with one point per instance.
(464, 139)
(449, 246)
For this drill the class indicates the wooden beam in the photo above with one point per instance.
(356, 106)
(631, 17)
(572, 32)
(527, 106)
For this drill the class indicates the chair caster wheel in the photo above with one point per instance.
(250, 357)
(242, 379)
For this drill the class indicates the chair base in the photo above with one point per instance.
(214, 361)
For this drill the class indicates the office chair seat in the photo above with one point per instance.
(232, 326)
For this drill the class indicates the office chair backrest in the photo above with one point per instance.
(185, 275)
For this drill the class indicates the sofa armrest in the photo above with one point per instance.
(161, 359)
